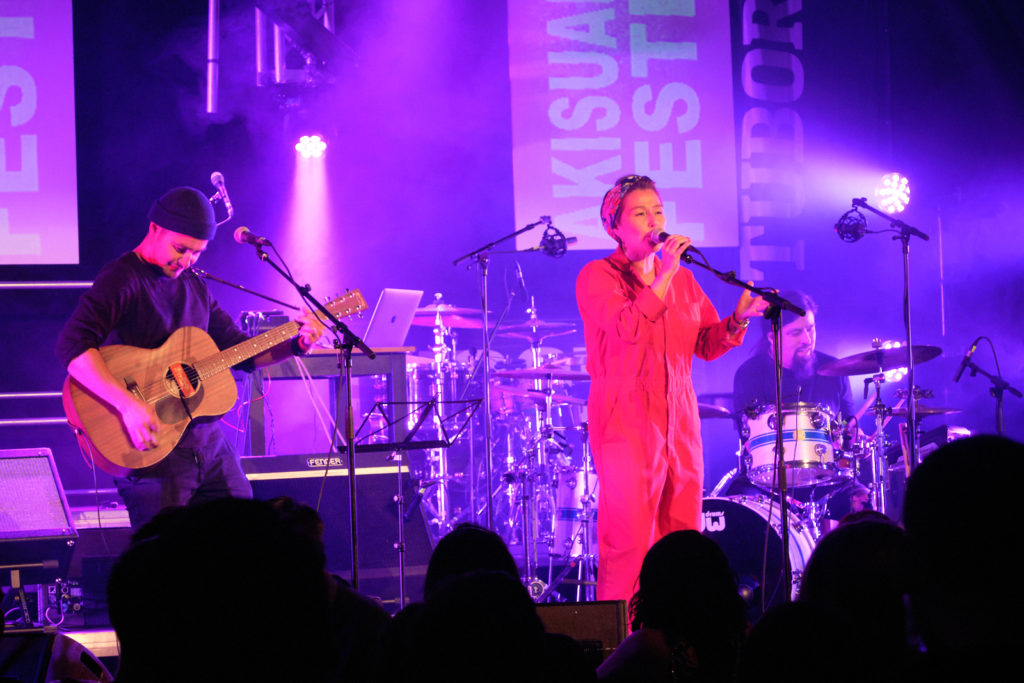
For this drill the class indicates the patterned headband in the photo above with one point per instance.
(612, 204)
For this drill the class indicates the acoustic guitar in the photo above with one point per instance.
(185, 378)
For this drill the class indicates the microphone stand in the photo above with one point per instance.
(242, 288)
(482, 257)
(999, 385)
(904, 233)
(350, 340)
(774, 314)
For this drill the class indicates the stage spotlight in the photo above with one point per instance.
(311, 146)
(893, 192)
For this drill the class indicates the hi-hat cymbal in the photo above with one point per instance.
(446, 308)
(924, 411)
(449, 320)
(544, 372)
(877, 360)
(538, 396)
(536, 330)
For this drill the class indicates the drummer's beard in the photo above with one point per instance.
(803, 366)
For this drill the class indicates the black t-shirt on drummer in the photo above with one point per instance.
(754, 385)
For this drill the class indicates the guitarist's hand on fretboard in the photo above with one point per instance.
(310, 331)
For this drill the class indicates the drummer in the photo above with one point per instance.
(754, 385)
(754, 382)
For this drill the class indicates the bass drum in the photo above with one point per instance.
(739, 525)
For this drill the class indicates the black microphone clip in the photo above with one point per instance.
(554, 242)
(851, 226)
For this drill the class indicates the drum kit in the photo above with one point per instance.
(544, 486)
(824, 458)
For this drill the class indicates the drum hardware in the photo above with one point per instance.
(925, 411)
(708, 411)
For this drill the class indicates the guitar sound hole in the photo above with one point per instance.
(182, 380)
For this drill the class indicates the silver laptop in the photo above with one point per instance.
(392, 317)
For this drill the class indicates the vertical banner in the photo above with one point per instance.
(605, 88)
(38, 185)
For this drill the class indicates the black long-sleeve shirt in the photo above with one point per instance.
(755, 382)
(132, 302)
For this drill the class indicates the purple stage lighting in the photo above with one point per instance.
(311, 146)
(893, 192)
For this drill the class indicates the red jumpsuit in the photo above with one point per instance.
(642, 413)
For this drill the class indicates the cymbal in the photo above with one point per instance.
(544, 372)
(924, 411)
(711, 411)
(448, 320)
(538, 396)
(446, 308)
(877, 360)
(536, 330)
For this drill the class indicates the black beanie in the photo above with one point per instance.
(185, 210)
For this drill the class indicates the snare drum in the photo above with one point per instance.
(809, 432)
(738, 525)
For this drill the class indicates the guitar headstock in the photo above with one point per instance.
(348, 304)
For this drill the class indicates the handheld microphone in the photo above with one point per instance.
(244, 235)
(217, 180)
(656, 238)
(965, 361)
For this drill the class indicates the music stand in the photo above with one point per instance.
(423, 410)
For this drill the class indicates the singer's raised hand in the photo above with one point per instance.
(671, 254)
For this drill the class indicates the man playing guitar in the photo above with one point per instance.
(140, 299)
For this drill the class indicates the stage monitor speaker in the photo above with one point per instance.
(598, 626)
(37, 534)
(377, 484)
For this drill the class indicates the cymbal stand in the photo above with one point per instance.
(879, 466)
(540, 506)
(586, 562)
(439, 502)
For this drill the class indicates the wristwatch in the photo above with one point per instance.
(741, 325)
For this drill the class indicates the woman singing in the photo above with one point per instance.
(644, 318)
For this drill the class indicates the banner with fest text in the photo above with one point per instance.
(38, 182)
(606, 88)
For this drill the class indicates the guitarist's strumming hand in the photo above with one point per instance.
(141, 423)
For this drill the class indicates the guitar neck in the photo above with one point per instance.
(245, 350)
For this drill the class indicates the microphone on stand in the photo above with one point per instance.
(520, 278)
(554, 242)
(965, 361)
(217, 180)
(656, 238)
(851, 226)
(244, 235)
